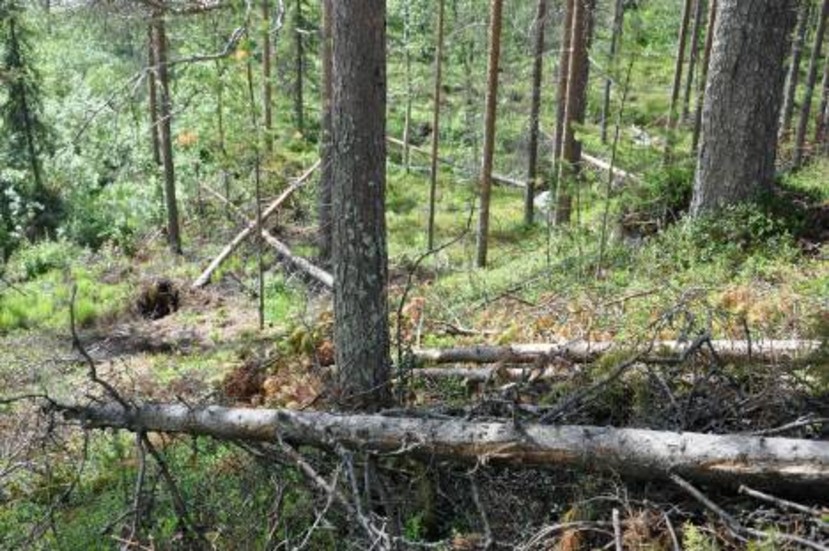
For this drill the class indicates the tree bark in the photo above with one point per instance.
(152, 95)
(742, 102)
(575, 106)
(696, 28)
(165, 132)
(702, 82)
(433, 174)
(561, 88)
(820, 125)
(361, 332)
(496, 10)
(728, 459)
(535, 108)
(267, 86)
(299, 68)
(615, 36)
(583, 351)
(811, 79)
(793, 74)
(324, 222)
(680, 60)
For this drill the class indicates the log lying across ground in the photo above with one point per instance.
(240, 238)
(725, 459)
(583, 351)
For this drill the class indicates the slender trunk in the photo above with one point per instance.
(703, 77)
(811, 79)
(165, 113)
(324, 222)
(535, 107)
(257, 175)
(794, 69)
(361, 328)
(699, 6)
(152, 94)
(496, 9)
(407, 62)
(680, 59)
(616, 32)
(433, 184)
(267, 85)
(820, 126)
(575, 105)
(28, 127)
(299, 66)
(561, 91)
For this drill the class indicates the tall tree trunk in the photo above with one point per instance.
(433, 183)
(535, 108)
(25, 111)
(820, 126)
(165, 137)
(561, 88)
(407, 64)
(299, 68)
(496, 9)
(615, 35)
(811, 78)
(575, 106)
(361, 332)
(696, 28)
(267, 85)
(680, 60)
(794, 69)
(324, 222)
(702, 82)
(739, 134)
(152, 95)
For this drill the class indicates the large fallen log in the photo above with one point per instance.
(281, 248)
(604, 165)
(727, 459)
(764, 350)
(240, 238)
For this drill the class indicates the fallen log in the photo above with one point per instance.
(724, 459)
(604, 165)
(497, 178)
(765, 350)
(281, 248)
(204, 278)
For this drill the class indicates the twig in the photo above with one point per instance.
(617, 530)
(328, 502)
(805, 421)
(672, 532)
(482, 512)
(139, 484)
(786, 504)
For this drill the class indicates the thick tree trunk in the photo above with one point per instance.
(496, 10)
(793, 74)
(267, 86)
(811, 79)
(724, 459)
(680, 60)
(582, 351)
(742, 102)
(164, 128)
(299, 69)
(324, 222)
(615, 36)
(152, 97)
(702, 82)
(361, 332)
(433, 174)
(535, 108)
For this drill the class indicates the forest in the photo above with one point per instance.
(414, 274)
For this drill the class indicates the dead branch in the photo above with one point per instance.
(204, 278)
(727, 459)
(585, 351)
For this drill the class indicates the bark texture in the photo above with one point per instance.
(324, 222)
(152, 97)
(742, 102)
(703, 77)
(164, 131)
(267, 86)
(361, 332)
(726, 459)
(496, 10)
(535, 107)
